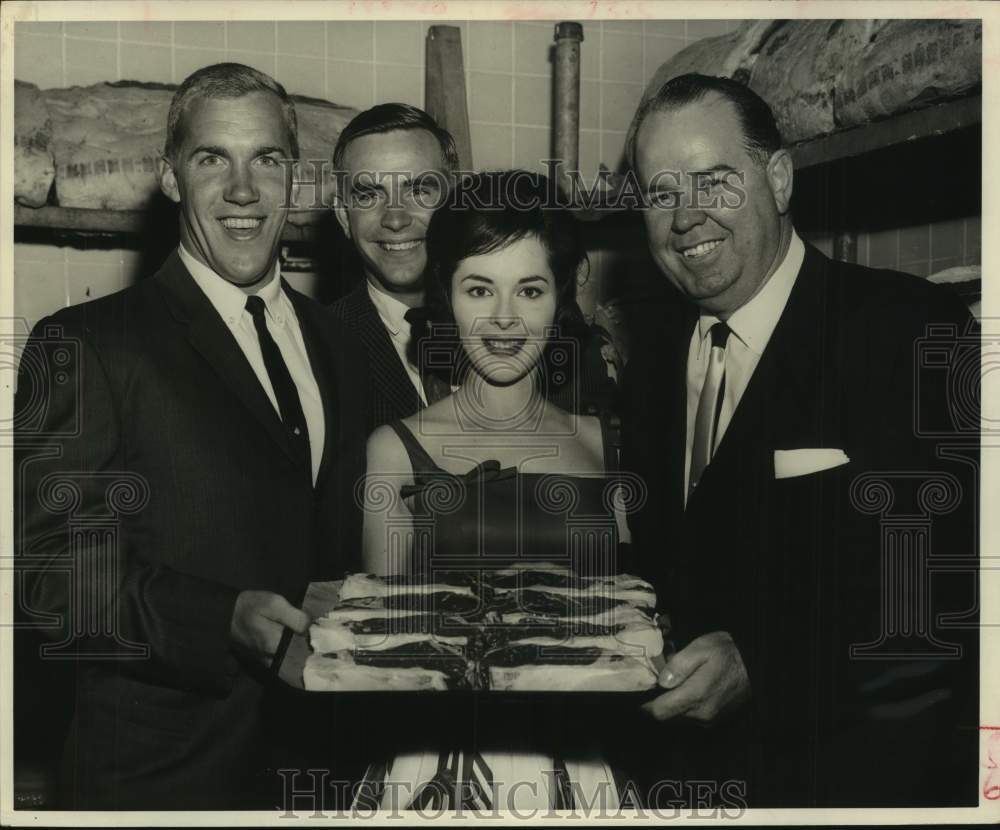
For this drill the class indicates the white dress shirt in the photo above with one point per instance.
(391, 311)
(284, 328)
(752, 325)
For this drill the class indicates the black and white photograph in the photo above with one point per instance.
(512, 413)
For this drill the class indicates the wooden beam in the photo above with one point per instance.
(81, 220)
(444, 88)
(91, 222)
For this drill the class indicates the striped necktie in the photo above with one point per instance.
(706, 423)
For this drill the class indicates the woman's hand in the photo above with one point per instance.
(705, 680)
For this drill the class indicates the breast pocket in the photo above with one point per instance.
(797, 463)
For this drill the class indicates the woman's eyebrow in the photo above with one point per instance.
(477, 278)
(533, 278)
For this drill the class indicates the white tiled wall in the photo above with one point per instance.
(357, 63)
(918, 249)
(360, 63)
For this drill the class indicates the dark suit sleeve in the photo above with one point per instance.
(633, 451)
(643, 403)
(87, 577)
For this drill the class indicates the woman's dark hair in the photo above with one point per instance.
(487, 212)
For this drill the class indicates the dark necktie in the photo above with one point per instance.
(435, 387)
(281, 381)
(706, 423)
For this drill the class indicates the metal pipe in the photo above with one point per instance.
(566, 124)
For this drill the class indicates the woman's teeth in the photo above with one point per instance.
(702, 248)
(401, 246)
(503, 344)
(235, 224)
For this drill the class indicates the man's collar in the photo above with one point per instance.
(754, 321)
(390, 310)
(227, 298)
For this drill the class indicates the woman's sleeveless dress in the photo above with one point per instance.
(523, 755)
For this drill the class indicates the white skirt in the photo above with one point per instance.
(491, 780)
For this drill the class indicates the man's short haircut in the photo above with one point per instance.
(225, 80)
(386, 118)
(761, 136)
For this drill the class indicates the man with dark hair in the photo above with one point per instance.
(776, 420)
(393, 165)
(204, 424)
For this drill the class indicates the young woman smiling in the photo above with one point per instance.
(492, 475)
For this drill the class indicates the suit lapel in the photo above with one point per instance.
(320, 352)
(208, 334)
(389, 377)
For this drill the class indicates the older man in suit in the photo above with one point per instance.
(200, 424)
(778, 415)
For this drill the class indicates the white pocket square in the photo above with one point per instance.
(792, 463)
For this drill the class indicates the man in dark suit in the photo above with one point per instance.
(796, 505)
(393, 163)
(187, 454)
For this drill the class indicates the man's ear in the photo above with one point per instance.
(340, 210)
(780, 175)
(168, 181)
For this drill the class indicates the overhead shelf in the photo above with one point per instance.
(933, 120)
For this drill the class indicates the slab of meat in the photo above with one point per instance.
(584, 607)
(409, 666)
(330, 633)
(558, 668)
(528, 629)
(369, 585)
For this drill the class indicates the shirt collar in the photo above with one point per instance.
(226, 298)
(754, 321)
(391, 310)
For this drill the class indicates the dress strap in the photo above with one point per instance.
(420, 459)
